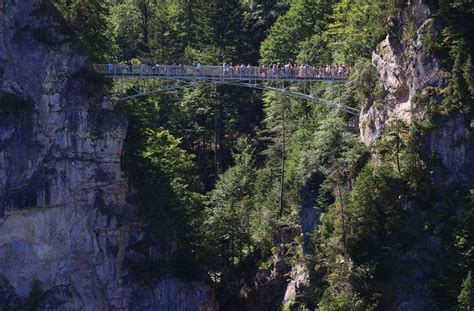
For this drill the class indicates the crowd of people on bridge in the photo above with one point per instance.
(289, 70)
(265, 71)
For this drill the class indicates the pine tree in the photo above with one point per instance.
(303, 19)
(466, 297)
(228, 216)
(227, 24)
(88, 18)
(125, 30)
(147, 9)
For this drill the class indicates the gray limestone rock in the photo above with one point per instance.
(64, 219)
(406, 71)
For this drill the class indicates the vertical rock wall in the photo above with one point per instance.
(64, 221)
(405, 72)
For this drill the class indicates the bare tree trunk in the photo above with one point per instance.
(343, 216)
(216, 142)
(146, 17)
(283, 151)
(398, 155)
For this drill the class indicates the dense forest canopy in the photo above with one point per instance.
(225, 170)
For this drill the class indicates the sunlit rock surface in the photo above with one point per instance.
(405, 71)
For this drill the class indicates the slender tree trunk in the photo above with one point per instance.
(146, 15)
(283, 151)
(221, 135)
(162, 44)
(145, 28)
(398, 155)
(249, 246)
(343, 216)
(216, 142)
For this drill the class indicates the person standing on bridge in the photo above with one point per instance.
(287, 70)
(224, 69)
(242, 68)
(249, 70)
(149, 66)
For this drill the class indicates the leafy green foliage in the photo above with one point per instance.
(455, 17)
(259, 16)
(228, 216)
(125, 31)
(303, 19)
(457, 259)
(430, 37)
(458, 93)
(466, 297)
(227, 35)
(168, 190)
(88, 19)
(374, 210)
(394, 144)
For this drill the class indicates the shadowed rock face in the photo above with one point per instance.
(55, 138)
(64, 220)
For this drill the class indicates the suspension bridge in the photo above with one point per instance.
(256, 77)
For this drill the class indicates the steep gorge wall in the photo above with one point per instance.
(407, 71)
(64, 220)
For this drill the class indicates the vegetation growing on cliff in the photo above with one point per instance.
(223, 170)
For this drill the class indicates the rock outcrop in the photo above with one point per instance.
(406, 71)
(65, 225)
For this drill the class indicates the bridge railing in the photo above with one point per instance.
(224, 72)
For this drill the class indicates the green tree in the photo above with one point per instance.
(303, 19)
(147, 8)
(469, 76)
(88, 18)
(124, 28)
(227, 24)
(466, 296)
(259, 17)
(375, 210)
(393, 147)
(227, 221)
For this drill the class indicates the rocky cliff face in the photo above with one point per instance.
(64, 221)
(405, 72)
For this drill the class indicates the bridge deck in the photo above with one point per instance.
(220, 73)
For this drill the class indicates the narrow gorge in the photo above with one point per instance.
(217, 196)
